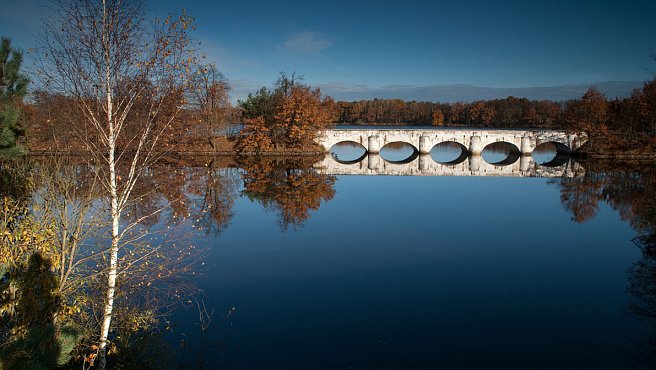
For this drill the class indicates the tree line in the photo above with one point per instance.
(613, 125)
(508, 112)
(288, 116)
(634, 113)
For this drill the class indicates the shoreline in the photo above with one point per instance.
(282, 153)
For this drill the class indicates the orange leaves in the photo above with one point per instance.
(438, 118)
(293, 124)
(588, 113)
(645, 105)
(481, 113)
(254, 137)
(91, 358)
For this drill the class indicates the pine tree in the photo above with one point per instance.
(13, 87)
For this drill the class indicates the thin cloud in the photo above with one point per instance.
(447, 93)
(241, 88)
(307, 42)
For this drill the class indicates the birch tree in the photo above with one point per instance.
(110, 59)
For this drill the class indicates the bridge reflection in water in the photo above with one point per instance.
(515, 165)
(479, 152)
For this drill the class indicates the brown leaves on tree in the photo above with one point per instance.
(481, 114)
(254, 137)
(438, 118)
(589, 113)
(296, 119)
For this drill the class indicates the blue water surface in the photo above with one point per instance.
(421, 273)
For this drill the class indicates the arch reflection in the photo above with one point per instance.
(348, 152)
(501, 153)
(398, 152)
(449, 153)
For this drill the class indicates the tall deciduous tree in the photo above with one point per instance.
(589, 112)
(645, 106)
(481, 114)
(13, 87)
(438, 118)
(209, 95)
(287, 117)
(107, 57)
(299, 117)
(456, 112)
(590, 115)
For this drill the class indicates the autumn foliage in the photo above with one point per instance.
(438, 118)
(621, 126)
(508, 112)
(629, 192)
(299, 117)
(255, 136)
(285, 119)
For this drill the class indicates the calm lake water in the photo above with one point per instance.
(313, 271)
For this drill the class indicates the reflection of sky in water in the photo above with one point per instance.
(347, 151)
(544, 153)
(418, 272)
(397, 151)
(497, 152)
(446, 152)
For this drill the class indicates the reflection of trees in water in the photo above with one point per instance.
(289, 186)
(157, 261)
(217, 189)
(203, 194)
(580, 196)
(640, 191)
(642, 278)
(630, 191)
(642, 287)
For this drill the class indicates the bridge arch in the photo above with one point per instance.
(501, 153)
(348, 152)
(401, 146)
(437, 153)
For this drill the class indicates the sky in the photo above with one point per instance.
(415, 50)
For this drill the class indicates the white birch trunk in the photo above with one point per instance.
(115, 207)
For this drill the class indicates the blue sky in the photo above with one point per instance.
(414, 49)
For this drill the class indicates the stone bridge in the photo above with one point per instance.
(471, 140)
(475, 165)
